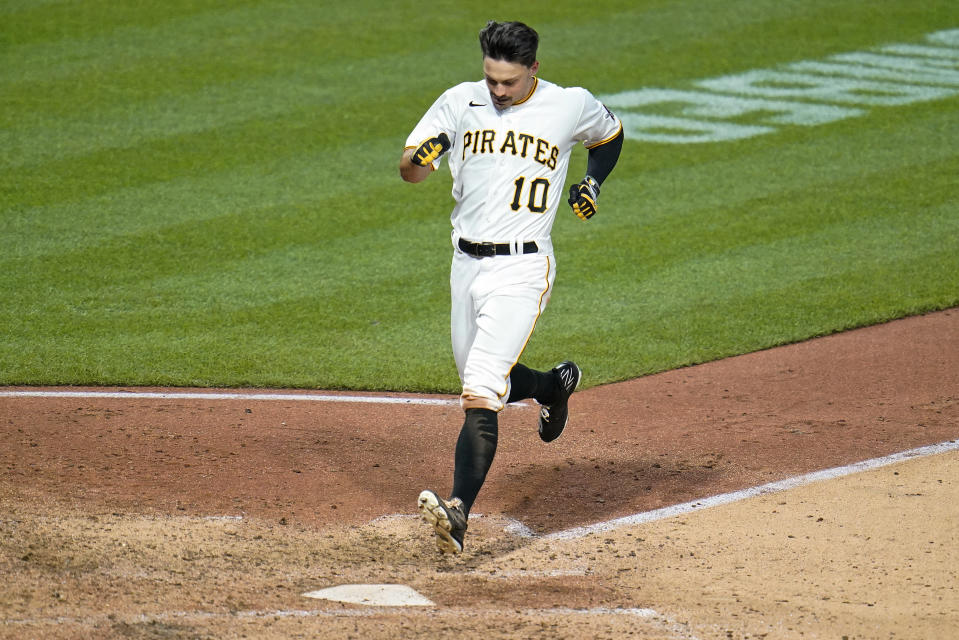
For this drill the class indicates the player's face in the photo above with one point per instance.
(508, 82)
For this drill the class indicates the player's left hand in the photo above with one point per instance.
(583, 197)
(430, 150)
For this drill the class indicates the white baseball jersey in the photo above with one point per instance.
(509, 167)
(509, 172)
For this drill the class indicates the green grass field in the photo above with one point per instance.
(206, 193)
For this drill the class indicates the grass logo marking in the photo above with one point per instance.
(805, 93)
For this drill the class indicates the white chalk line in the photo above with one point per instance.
(319, 613)
(185, 395)
(520, 530)
(743, 494)
(676, 631)
(178, 395)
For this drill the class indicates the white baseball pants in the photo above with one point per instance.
(496, 302)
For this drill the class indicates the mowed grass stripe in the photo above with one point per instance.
(46, 21)
(316, 123)
(754, 185)
(55, 140)
(669, 43)
(302, 104)
(265, 34)
(319, 316)
(717, 303)
(339, 195)
(196, 266)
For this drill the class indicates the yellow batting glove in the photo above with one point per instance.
(583, 197)
(431, 149)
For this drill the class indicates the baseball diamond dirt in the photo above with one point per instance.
(199, 517)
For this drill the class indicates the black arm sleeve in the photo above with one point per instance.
(603, 158)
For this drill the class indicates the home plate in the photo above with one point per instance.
(376, 595)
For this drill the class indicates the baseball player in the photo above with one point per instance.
(507, 139)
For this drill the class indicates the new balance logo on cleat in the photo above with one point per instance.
(568, 378)
(553, 417)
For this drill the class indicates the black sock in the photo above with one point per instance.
(475, 449)
(529, 383)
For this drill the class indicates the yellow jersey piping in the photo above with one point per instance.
(609, 139)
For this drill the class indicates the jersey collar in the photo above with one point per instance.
(529, 95)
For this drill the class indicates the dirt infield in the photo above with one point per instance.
(210, 518)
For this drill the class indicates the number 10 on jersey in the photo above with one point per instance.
(536, 196)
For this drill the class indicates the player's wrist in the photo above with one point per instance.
(593, 185)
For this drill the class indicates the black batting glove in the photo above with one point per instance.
(430, 150)
(583, 197)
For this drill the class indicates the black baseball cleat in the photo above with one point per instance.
(553, 417)
(447, 519)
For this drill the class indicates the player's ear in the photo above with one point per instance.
(534, 67)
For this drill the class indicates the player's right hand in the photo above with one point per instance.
(430, 150)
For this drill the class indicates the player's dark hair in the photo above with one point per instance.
(509, 41)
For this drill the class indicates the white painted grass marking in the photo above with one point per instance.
(735, 496)
(807, 93)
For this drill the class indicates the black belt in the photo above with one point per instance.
(489, 249)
